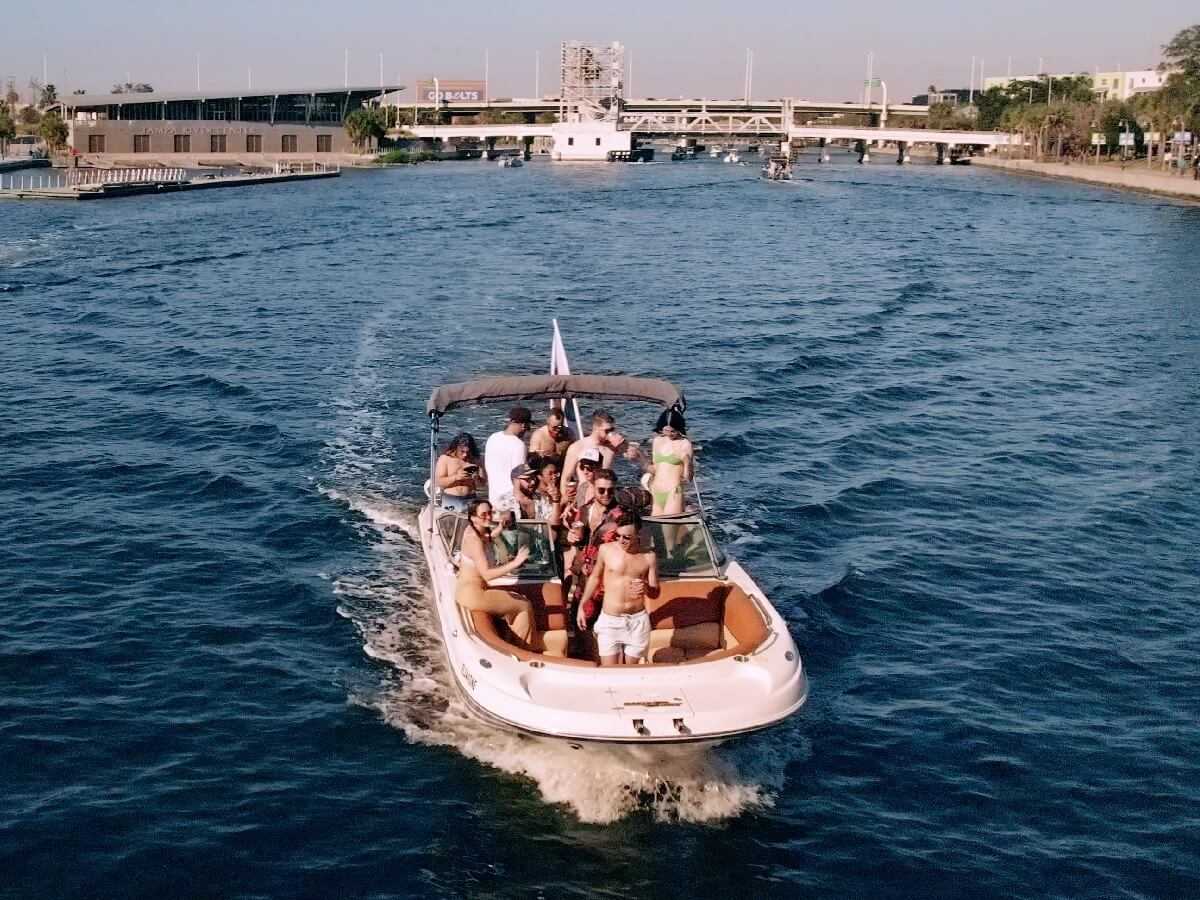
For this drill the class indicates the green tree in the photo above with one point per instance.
(364, 125)
(946, 117)
(29, 118)
(8, 128)
(49, 95)
(53, 131)
(991, 105)
(1181, 55)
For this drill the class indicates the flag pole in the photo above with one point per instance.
(560, 366)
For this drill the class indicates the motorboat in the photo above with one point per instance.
(732, 157)
(510, 162)
(715, 152)
(777, 168)
(721, 662)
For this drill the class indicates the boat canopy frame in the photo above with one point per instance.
(510, 388)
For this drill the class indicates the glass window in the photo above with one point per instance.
(254, 143)
(535, 536)
(95, 143)
(681, 546)
(183, 143)
(324, 143)
(141, 143)
(287, 143)
(216, 143)
(451, 528)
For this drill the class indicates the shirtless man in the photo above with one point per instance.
(603, 426)
(553, 439)
(628, 574)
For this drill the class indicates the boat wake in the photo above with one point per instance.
(392, 609)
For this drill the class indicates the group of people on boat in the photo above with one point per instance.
(570, 484)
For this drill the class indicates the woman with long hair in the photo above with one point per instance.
(458, 473)
(476, 568)
(671, 464)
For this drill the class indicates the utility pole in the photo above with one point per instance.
(197, 71)
(971, 88)
(487, 68)
(346, 68)
(537, 74)
(870, 77)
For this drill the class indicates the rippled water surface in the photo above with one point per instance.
(948, 420)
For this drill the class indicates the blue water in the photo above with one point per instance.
(948, 419)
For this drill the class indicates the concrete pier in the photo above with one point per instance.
(1133, 178)
(51, 187)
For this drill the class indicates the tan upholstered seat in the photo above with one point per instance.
(691, 621)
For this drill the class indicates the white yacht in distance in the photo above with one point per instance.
(721, 662)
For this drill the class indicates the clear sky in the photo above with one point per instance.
(802, 48)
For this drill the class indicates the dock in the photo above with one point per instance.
(106, 184)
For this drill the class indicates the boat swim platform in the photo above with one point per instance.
(108, 190)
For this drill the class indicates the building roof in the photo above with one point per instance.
(76, 101)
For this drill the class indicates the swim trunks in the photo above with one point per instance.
(630, 632)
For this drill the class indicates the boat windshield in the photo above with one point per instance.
(682, 547)
(532, 534)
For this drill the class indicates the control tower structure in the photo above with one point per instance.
(593, 82)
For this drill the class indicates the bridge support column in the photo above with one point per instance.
(823, 154)
(528, 154)
(490, 145)
(901, 152)
(863, 149)
(941, 154)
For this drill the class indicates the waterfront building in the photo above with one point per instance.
(948, 96)
(1124, 85)
(1118, 85)
(251, 126)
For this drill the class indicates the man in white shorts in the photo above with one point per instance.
(627, 573)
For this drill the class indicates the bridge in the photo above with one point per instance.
(728, 120)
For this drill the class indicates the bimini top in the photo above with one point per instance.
(507, 388)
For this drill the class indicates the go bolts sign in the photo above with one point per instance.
(451, 91)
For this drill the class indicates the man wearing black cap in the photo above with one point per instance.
(504, 458)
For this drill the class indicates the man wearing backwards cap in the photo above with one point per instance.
(603, 439)
(504, 458)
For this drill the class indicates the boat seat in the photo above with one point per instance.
(549, 639)
(692, 620)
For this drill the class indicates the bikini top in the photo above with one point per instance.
(669, 458)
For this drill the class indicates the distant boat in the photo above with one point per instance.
(732, 157)
(510, 162)
(777, 168)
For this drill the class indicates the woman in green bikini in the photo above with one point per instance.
(671, 463)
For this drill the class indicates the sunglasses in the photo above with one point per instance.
(604, 490)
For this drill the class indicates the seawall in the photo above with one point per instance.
(1133, 178)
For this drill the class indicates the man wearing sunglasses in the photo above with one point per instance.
(599, 440)
(588, 527)
(627, 574)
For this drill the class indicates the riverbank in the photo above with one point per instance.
(1132, 178)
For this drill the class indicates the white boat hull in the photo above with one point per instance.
(699, 702)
